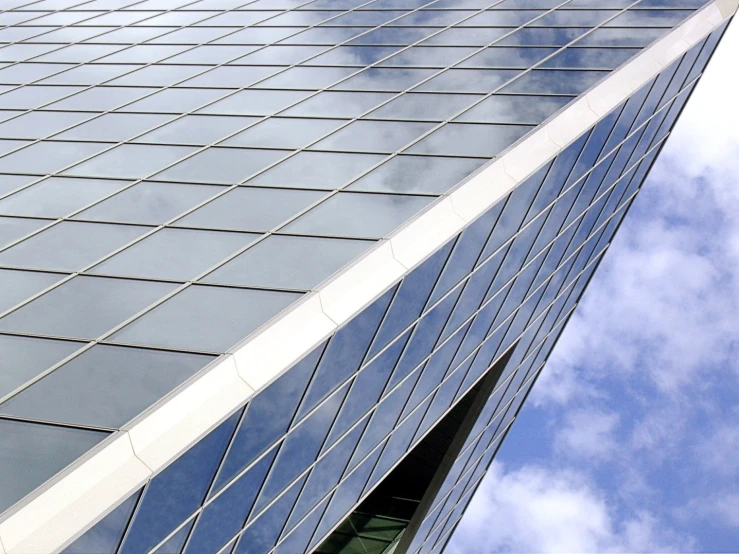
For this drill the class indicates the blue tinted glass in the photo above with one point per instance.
(226, 515)
(267, 417)
(106, 535)
(411, 298)
(263, 533)
(297, 541)
(326, 473)
(466, 251)
(367, 387)
(178, 491)
(300, 448)
(345, 352)
(345, 497)
(174, 544)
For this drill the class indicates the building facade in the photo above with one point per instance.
(276, 276)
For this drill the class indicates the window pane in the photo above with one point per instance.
(426, 107)
(114, 127)
(501, 108)
(35, 125)
(130, 161)
(24, 358)
(284, 132)
(206, 318)
(150, 203)
(14, 228)
(288, 262)
(222, 165)
(85, 307)
(69, 245)
(174, 254)
(251, 209)
(373, 136)
(385, 79)
(348, 214)
(197, 130)
(417, 174)
(32, 453)
(16, 286)
(469, 80)
(338, 104)
(255, 102)
(48, 157)
(464, 139)
(317, 170)
(105, 386)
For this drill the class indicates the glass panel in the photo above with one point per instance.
(288, 262)
(421, 56)
(70, 245)
(555, 82)
(469, 80)
(175, 100)
(317, 170)
(150, 203)
(251, 209)
(35, 125)
(426, 107)
(500, 57)
(85, 307)
(105, 386)
(255, 102)
(58, 196)
(621, 37)
(217, 318)
(31, 453)
(467, 139)
(24, 358)
(339, 104)
(373, 136)
(222, 165)
(16, 286)
(100, 99)
(385, 79)
(307, 78)
(197, 130)
(417, 174)
(114, 127)
(174, 254)
(590, 58)
(359, 215)
(130, 161)
(44, 158)
(515, 109)
(14, 228)
(283, 132)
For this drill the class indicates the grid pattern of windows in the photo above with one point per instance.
(281, 473)
(175, 173)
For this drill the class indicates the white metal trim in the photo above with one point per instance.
(78, 497)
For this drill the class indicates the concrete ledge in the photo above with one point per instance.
(483, 190)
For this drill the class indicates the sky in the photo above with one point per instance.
(629, 441)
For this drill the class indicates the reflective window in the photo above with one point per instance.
(197, 130)
(590, 58)
(317, 170)
(338, 104)
(499, 57)
(417, 174)
(222, 165)
(528, 109)
(174, 254)
(106, 535)
(288, 262)
(69, 245)
(31, 453)
(465, 139)
(130, 161)
(105, 386)
(385, 79)
(150, 203)
(373, 136)
(426, 107)
(84, 307)
(217, 318)
(555, 82)
(24, 358)
(44, 158)
(348, 214)
(35, 125)
(175, 100)
(469, 80)
(255, 102)
(251, 209)
(284, 132)
(114, 127)
(14, 228)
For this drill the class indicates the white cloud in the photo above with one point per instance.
(536, 509)
(587, 433)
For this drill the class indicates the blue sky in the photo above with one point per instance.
(630, 440)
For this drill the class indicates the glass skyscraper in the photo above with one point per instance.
(277, 275)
